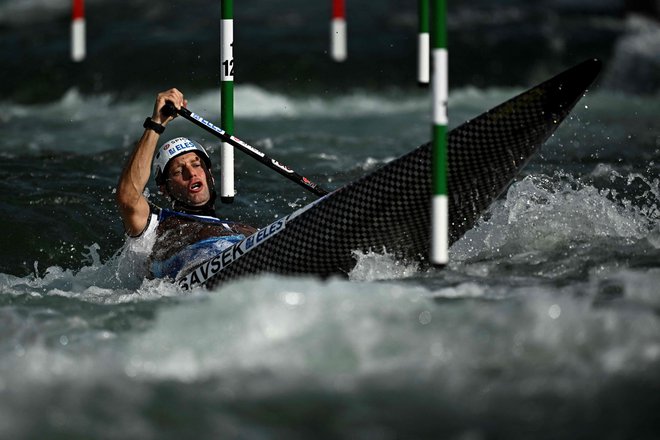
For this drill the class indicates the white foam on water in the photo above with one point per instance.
(341, 333)
(353, 330)
(251, 101)
(372, 266)
(119, 280)
(541, 214)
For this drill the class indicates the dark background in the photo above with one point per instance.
(138, 45)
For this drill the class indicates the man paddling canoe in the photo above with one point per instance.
(189, 231)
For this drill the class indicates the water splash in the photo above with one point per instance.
(372, 266)
(554, 226)
(120, 279)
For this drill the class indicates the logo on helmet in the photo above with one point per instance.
(172, 149)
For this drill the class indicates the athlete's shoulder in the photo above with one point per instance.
(152, 221)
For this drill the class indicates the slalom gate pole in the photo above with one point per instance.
(246, 148)
(338, 37)
(227, 98)
(423, 44)
(439, 204)
(78, 49)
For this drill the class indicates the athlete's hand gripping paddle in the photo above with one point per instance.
(271, 163)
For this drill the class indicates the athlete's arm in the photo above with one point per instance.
(133, 206)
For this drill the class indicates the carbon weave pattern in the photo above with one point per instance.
(390, 208)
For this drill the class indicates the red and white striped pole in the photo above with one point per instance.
(338, 31)
(78, 49)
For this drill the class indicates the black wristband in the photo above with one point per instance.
(149, 124)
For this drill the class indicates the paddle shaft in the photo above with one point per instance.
(248, 149)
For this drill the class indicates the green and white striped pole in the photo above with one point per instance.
(227, 98)
(439, 204)
(423, 44)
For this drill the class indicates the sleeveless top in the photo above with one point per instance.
(185, 240)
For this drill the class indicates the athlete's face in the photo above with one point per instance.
(186, 180)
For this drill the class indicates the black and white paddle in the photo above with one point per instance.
(246, 148)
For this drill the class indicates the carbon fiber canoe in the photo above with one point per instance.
(389, 209)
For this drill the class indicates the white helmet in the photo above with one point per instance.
(173, 148)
